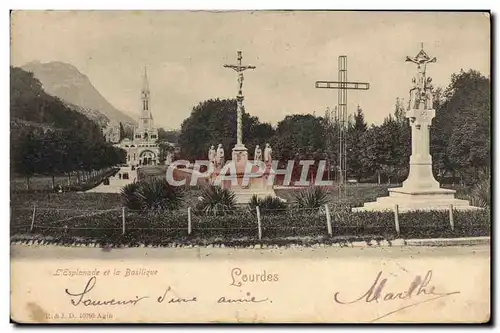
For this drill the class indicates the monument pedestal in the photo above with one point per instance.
(409, 199)
(257, 185)
(420, 191)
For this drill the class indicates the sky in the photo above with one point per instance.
(184, 52)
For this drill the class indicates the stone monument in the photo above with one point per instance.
(220, 156)
(268, 154)
(240, 153)
(246, 187)
(257, 156)
(420, 191)
(211, 156)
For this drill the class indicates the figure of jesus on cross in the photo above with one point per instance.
(239, 68)
(422, 85)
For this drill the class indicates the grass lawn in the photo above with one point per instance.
(69, 217)
(66, 200)
(40, 182)
(357, 194)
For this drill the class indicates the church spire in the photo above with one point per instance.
(146, 112)
(145, 83)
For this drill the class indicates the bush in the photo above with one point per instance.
(269, 204)
(481, 193)
(216, 201)
(154, 194)
(472, 223)
(300, 226)
(294, 224)
(312, 197)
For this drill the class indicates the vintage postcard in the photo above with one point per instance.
(250, 167)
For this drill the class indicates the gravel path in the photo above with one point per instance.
(25, 252)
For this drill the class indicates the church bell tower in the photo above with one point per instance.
(146, 116)
(145, 130)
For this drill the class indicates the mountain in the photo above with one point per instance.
(101, 119)
(31, 106)
(66, 82)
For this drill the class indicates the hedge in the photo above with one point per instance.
(93, 182)
(163, 228)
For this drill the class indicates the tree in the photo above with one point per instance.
(171, 136)
(373, 154)
(360, 125)
(213, 122)
(49, 138)
(165, 149)
(52, 154)
(469, 146)
(122, 131)
(385, 149)
(461, 130)
(331, 130)
(26, 159)
(354, 146)
(299, 135)
(399, 110)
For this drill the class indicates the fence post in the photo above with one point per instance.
(328, 220)
(189, 220)
(396, 218)
(452, 223)
(258, 222)
(33, 218)
(123, 220)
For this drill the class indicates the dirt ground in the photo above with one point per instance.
(24, 252)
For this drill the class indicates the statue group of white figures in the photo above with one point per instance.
(421, 91)
(216, 157)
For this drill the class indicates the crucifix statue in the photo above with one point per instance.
(239, 69)
(421, 84)
(420, 114)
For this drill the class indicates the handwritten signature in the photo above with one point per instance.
(169, 297)
(418, 287)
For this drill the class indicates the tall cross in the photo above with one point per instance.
(342, 85)
(239, 68)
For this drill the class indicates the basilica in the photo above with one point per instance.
(143, 149)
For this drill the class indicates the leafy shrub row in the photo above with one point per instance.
(96, 181)
(164, 227)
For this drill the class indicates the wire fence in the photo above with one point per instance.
(160, 227)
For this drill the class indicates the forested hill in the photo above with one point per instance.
(66, 82)
(48, 137)
(30, 105)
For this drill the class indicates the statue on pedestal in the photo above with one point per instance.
(257, 156)
(428, 94)
(421, 90)
(420, 191)
(211, 155)
(267, 154)
(414, 95)
(220, 156)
